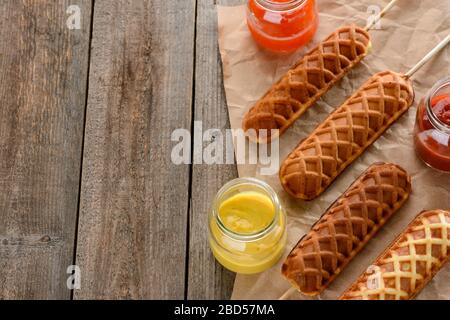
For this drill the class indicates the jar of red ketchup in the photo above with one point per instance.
(432, 130)
(282, 25)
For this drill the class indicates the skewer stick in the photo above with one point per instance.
(380, 15)
(430, 55)
(288, 293)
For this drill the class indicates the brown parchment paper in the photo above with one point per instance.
(407, 33)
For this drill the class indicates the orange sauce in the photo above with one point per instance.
(282, 29)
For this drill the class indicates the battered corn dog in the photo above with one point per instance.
(307, 81)
(346, 227)
(345, 134)
(409, 263)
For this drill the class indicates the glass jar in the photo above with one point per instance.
(234, 244)
(432, 129)
(282, 25)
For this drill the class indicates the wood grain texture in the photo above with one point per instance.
(207, 279)
(43, 74)
(134, 201)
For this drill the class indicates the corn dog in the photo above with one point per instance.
(346, 227)
(409, 263)
(345, 134)
(307, 81)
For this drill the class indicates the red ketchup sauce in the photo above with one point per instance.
(432, 132)
(282, 25)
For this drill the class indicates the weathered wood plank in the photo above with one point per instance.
(43, 74)
(207, 278)
(134, 201)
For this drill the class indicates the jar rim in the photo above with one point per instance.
(434, 119)
(247, 236)
(280, 6)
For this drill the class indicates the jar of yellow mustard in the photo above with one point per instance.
(247, 226)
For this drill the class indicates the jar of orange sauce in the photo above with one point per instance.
(432, 130)
(282, 25)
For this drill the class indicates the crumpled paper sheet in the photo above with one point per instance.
(408, 32)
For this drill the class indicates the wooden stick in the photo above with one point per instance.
(288, 293)
(381, 15)
(430, 55)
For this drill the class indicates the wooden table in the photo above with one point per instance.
(86, 176)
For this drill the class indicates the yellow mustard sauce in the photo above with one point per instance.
(248, 232)
(246, 213)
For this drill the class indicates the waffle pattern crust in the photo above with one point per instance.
(345, 134)
(412, 260)
(346, 227)
(307, 81)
